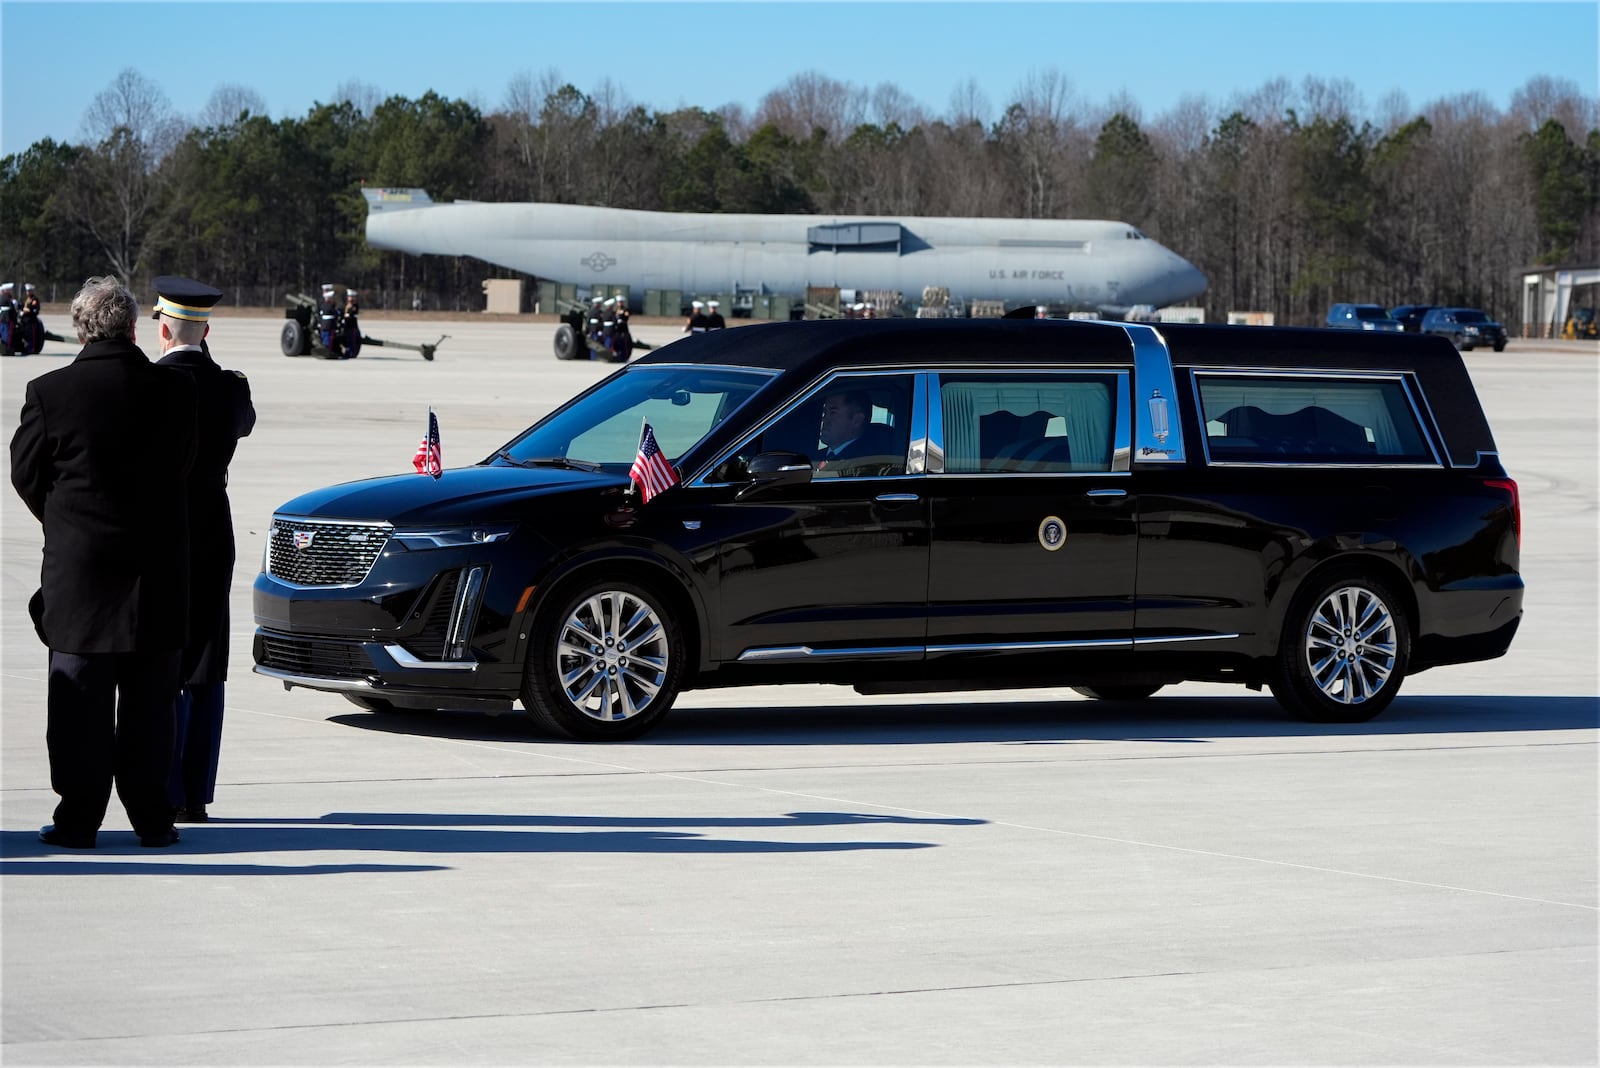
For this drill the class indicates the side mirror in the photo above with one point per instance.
(769, 469)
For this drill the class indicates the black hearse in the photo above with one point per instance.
(1112, 507)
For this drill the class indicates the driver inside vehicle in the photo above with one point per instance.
(853, 445)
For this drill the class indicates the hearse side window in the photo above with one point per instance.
(1305, 419)
(880, 442)
(1026, 423)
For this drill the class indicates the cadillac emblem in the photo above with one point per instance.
(302, 538)
(1052, 533)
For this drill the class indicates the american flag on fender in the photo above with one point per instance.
(651, 470)
(429, 459)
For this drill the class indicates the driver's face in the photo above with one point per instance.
(841, 421)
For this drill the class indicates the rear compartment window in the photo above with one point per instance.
(1304, 419)
(1005, 424)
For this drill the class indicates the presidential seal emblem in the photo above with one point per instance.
(1052, 533)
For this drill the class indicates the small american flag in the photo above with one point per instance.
(429, 460)
(651, 470)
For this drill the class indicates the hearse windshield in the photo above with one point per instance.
(603, 426)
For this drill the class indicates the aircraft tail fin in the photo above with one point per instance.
(380, 199)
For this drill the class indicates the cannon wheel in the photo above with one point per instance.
(566, 342)
(293, 338)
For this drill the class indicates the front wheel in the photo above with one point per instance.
(605, 663)
(1117, 693)
(1344, 651)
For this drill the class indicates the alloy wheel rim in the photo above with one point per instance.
(1350, 645)
(611, 656)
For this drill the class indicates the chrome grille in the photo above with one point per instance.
(338, 554)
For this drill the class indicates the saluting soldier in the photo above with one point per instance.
(102, 456)
(226, 414)
(350, 325)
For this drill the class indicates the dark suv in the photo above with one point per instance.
(1467, 328)
(909, 505)
(1409, 316)
(1362, 317)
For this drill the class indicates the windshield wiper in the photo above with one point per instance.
(552, 461)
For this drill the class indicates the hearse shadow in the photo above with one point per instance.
(859, 721)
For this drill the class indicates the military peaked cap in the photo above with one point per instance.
(184, 298)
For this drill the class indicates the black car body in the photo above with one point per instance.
(1107, 506)
(1467, 328)
(1409, 316)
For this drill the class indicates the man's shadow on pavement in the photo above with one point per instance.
(21, 852)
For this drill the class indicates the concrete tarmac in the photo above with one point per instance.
(800, 875)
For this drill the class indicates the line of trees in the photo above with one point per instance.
(1288, 197)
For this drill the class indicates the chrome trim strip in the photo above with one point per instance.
(314, 682)
(404, 658)
(890, 498)
(1185, 638)
(779, 653)
(935, 425)
(1032, 647)
(917, 463)
(1107, 493)
(1153, 380)
(461, 613)
(1122, 438)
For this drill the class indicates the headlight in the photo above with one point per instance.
(1472, 330)
(447, 537)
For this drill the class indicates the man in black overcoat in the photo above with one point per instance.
(101, 456)
(183, 313)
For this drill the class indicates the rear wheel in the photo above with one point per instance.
(605, 663)
(1344, 651)
(1117, 693)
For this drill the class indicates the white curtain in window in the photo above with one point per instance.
(1084, 405)
(1362, 403)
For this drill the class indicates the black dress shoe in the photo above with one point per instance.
(191, 815)
(50, 834)
(160, 840)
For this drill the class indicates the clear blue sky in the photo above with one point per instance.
(55, 56)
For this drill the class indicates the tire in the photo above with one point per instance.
(293, 338)
(566, 342)
(1501, 347)
(1117, 693)
(605, 663)
(1344, 650)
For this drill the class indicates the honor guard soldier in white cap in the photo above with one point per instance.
(226, 414)
(8, 321)
(328, 319)
(697, 320)
(714, 319)
(350, 325)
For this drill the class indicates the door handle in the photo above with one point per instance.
(1106, 493)
(895, 498)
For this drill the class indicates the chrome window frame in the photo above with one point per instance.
(1427, 428)
(703, 478)
(1120, 432)
(1152, 371)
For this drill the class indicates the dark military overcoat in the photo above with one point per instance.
(101, 456)
(226, 414)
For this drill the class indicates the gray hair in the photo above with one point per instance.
(104, 310)
(184, 331)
